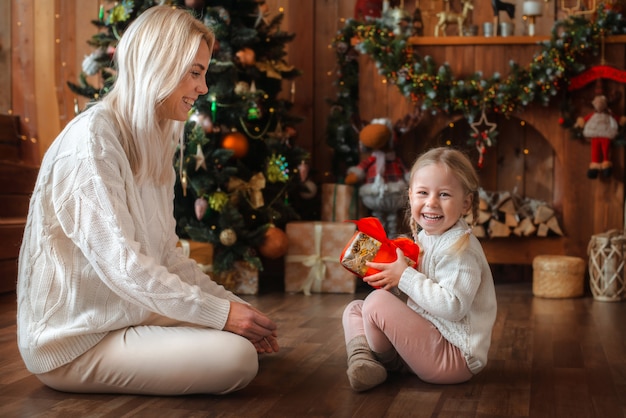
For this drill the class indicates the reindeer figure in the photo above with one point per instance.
(453, 17)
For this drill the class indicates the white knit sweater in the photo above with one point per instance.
(455, 292)
(99, 251)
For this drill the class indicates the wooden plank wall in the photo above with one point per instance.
(5, 57)
(586, 206)
(48, 41)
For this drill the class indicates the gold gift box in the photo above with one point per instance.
(361, 249)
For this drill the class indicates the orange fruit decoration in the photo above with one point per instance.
(236, 142)
(275, 244)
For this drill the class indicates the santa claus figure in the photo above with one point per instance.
(600, 127)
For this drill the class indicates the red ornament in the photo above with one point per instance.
(236, 142)
(275, 244)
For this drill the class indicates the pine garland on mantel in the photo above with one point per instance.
(436, 89)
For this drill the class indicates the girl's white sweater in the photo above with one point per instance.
(454, 291)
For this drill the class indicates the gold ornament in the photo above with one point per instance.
(228, 237)
(253, 190)
(217, 200)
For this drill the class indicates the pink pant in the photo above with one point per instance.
(388, 323)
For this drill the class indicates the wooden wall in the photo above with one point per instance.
(44, 43)
(47, 42)
(585, 207)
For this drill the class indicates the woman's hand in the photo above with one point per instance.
(250, 323)
(389, 275)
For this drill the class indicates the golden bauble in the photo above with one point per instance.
(228, 237)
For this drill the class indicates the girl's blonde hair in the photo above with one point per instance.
(152, 57)
(461, 167)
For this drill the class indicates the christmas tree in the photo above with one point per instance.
(239, 173)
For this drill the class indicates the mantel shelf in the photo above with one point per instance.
(493, 40)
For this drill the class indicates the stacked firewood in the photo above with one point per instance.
(502, 214)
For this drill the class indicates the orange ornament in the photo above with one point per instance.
(275, 244)
(246, 57)
(236, 142)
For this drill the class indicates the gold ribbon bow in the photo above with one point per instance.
(252, 189)
(316, 261)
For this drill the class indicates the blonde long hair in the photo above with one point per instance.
(152, 57)
(462, 168)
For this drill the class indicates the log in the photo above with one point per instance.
(542, 230)
(542, 214)
(498, 229)
(525, 228)
(479, 231)
(511, 220)
(508, 207)
(553, 225)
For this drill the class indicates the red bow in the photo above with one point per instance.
(387, 253)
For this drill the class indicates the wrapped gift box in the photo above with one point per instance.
(341, 202)
(370, 243)
(201, 252)
(312, 260)
(243, 279)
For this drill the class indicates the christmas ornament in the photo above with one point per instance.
(262, 13)
(236, 142)
(273, 68)
(184, 181)
(246, 57)
(217, 200)
(275, 244)
(194, 4)
(252, 190)
(277, 169)
(308, 190)
(600, 128)
(200, 207)
(228, 237)
(242, 88)
(254, 111)
(303, 170)
(483, 138)
(200, 160)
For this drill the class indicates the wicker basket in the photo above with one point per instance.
(558, 276)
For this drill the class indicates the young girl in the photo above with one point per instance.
(443, 332)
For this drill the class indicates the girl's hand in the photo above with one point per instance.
(389, 275)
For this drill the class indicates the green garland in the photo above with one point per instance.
(436, 89)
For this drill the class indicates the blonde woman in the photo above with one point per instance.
(106, 302)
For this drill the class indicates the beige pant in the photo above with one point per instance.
(154, 359)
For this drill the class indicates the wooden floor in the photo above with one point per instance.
(549, 358)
